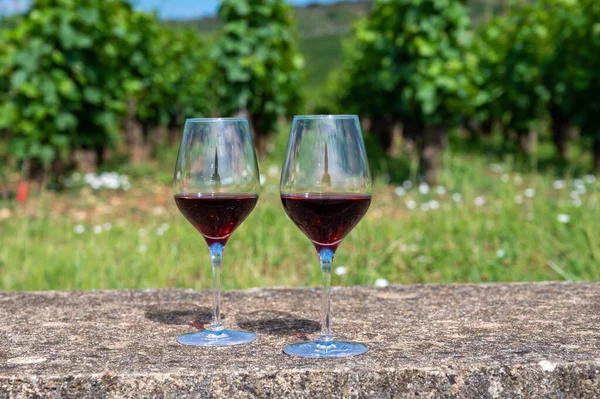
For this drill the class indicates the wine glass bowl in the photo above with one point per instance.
(216, 185)
(326, 190)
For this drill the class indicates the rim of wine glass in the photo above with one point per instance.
(325, 116)
(216, 120)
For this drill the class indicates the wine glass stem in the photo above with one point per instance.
(326, 260)
(216, 255)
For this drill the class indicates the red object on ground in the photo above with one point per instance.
(22, 192)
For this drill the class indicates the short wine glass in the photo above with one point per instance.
(326, 190)
(216, 186)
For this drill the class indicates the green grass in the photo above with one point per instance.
(501, 240)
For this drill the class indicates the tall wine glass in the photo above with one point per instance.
(216, 186)
(326, 190)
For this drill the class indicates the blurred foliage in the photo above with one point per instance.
(410, 62)
(539, 63)
(529, 71)
(513, 50)
(410, 59)
(257, 66)
(176, 84)
(583, 77)
(67, 67)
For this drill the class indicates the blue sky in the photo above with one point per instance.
(166, 8)
(194, 8)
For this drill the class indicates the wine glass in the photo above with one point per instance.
(216, 185)
(326, 190)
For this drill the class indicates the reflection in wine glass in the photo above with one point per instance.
(326, 190)
(216, 185)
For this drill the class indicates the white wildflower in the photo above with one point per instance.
(563, 218)
(107, 226)
(576, 202)
(500, 253)
(529, 192)
(110, 180)
(497, 168)
(79, 229)
(142, 248)
(479, 201)
(162, 229)
(273, 171)
(530, 216)
(519, 199)
(400, 191)
(433, 204)
(381, 283)
(589, 178)
(424, 188)
(440, 190)
(457, 197)
(425, 206)
(558, 184)
(411, 204)
(89, 177)
(580, 190)
(518, 180)
(407, 184)
(95, 184)
(124, 180)
(340, 270)
(97, 229)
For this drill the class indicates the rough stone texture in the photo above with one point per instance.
(454, 341)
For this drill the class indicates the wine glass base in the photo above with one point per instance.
(216, 338)
(331, 349)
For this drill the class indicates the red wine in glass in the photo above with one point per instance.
(216, 186)
(216, 215)
(326, 190)
(326, 218)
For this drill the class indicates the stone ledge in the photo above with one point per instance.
(451, 341)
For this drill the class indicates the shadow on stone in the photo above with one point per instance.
(276, 323)
(197, 316)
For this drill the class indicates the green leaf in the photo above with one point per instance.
(46, 154)
(92, 95)
(65, 121)
(257, 64)
(17, 79)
